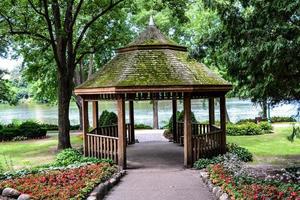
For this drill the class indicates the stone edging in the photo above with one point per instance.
(216, 190)
(102, 189)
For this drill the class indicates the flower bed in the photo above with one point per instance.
(72, 183)
(241, 187)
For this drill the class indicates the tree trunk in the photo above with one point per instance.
(79, 106)
(264, 107)
(64, 97)
(155, 114)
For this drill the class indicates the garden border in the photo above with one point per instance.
(216, 190)
(102, 189)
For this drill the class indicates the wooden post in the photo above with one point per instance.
(174, 120)
(85, 124)
(121, 132)
(95, 114)
(131, 121)
(188, 161)
(211, 108)
(223, 123)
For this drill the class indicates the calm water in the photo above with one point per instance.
(237, 109)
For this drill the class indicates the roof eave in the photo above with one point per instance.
(152, 89)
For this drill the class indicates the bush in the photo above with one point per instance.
(180, 118)
(142, 126)
(266, 127)
(242, 121)
(28, 129)
(108, 118)
(67, 157)
(49, 127)
(282, 119)
(32, 130)
(235, 150)
(248, 128)
(73, 156)
(8, 133)
(242, 153)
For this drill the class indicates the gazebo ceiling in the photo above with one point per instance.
(152, 63)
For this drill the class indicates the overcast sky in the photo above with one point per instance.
(8, 64)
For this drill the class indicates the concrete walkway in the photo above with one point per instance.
(155, 172)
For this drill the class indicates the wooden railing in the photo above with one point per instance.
(112, 131)
(197, 129)
(101, 146)
(206, 145)
(206, 139)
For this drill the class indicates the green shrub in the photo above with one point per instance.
(142, 126)
(243, 153)
(32, 130)
(8, 133)
(67, 157)
(282, 119)
(108, 118)
(75, 127)
(49, 127)
(180, 118)
(266, 127)
(73, 156)
(242, 121)
(248, 128)
(1, 126)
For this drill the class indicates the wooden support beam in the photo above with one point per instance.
(211, 108)
(85, 124)
(131, 121)
(223, 123)
(174, 120)
(188, 157)
(95, 114)
(121, 132)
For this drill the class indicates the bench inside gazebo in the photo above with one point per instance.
(154, 68)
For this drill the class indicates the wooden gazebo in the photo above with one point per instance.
(153, 68)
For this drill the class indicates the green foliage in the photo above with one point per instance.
(242, 121)
(256, 45)
(248, 128)
(67, 157)
(295, 133)
(142, 126)
(73, 156)
(282, 119)
(7, 95)
(108, 118)
(27, 129)
(242, 153)
(266, 127)
(180, 118)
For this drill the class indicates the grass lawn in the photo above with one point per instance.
(31, 152)
(271, 148)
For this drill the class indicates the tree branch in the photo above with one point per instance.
(93, 19)
(23, 32)
(35, 9)
(76, 13)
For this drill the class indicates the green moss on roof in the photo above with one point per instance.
(153, 68)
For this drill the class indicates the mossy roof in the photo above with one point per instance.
(153, 67)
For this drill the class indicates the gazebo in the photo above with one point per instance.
(152, 67)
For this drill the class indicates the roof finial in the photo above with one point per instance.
(151, 21)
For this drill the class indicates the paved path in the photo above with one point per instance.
(155, 172)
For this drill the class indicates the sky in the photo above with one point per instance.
(9, 64)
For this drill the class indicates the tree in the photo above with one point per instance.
(62, 26)
(257, 46)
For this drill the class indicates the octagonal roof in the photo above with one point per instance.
(152, 61)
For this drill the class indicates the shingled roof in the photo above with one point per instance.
(153, 61)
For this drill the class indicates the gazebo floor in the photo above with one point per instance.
(155, 171)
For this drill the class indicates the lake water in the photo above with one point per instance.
(237, 109)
